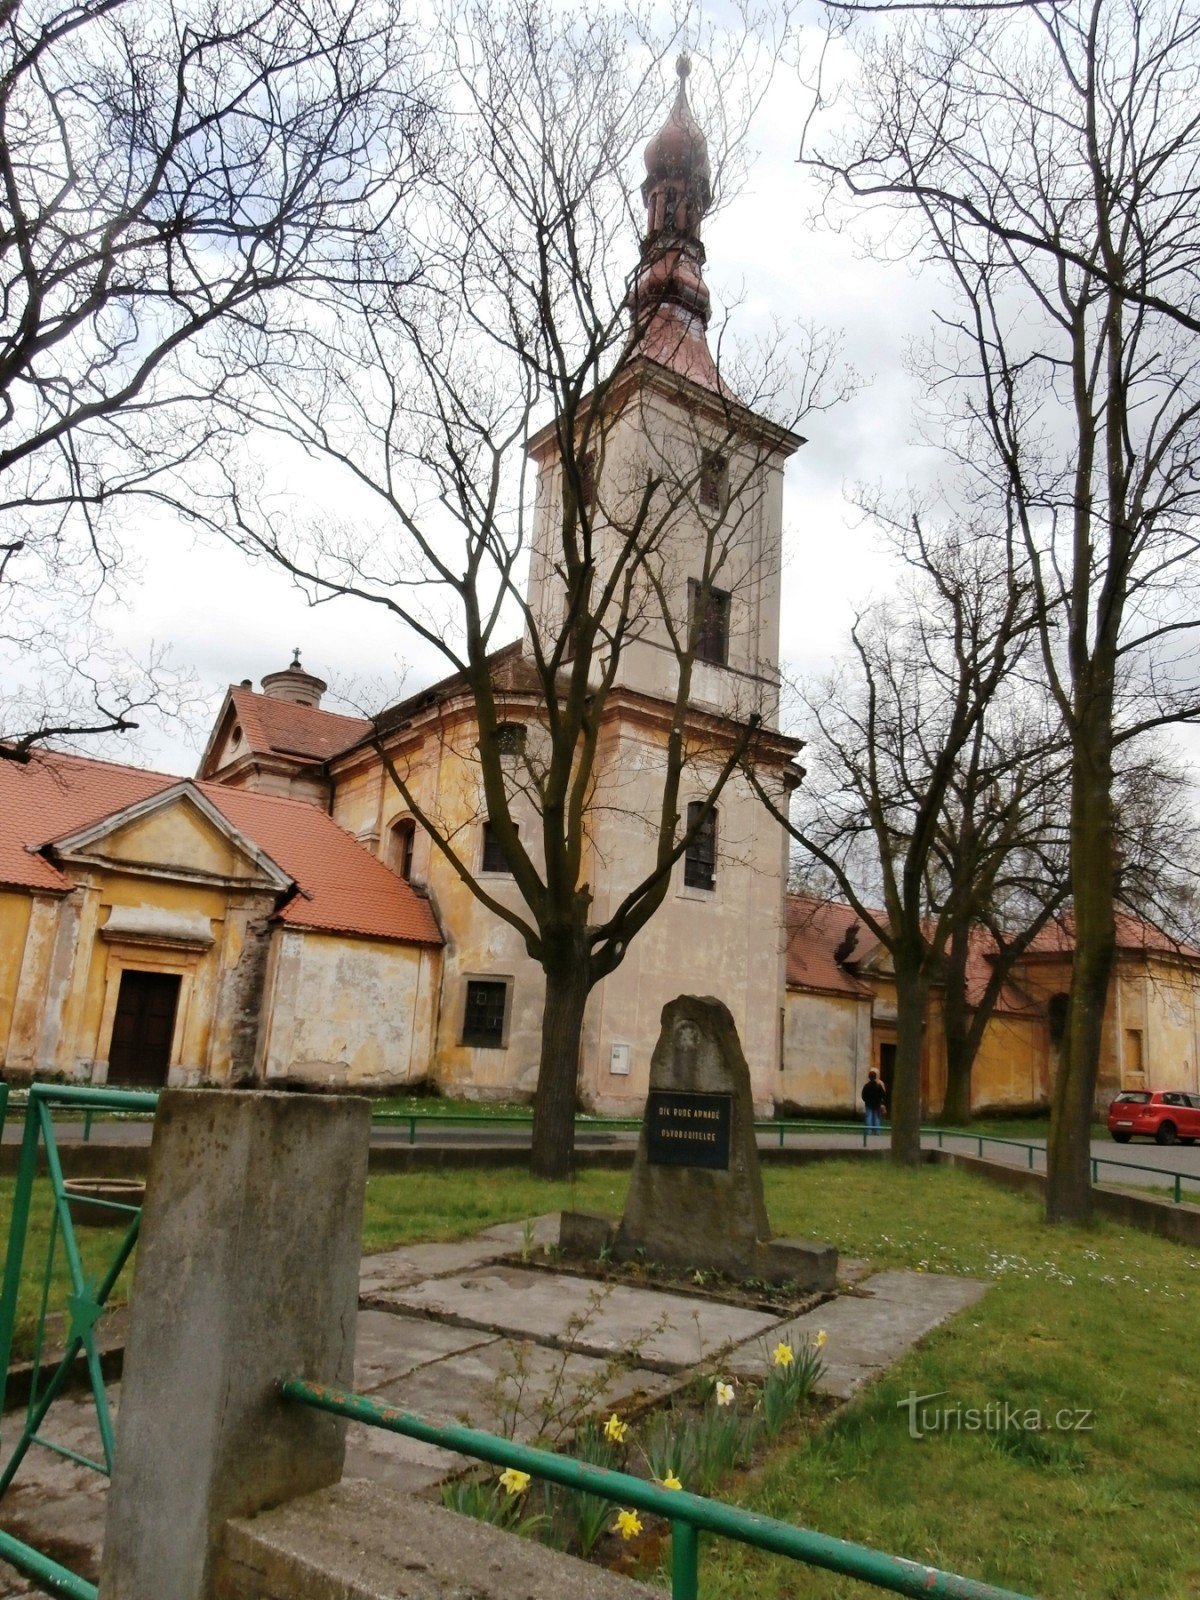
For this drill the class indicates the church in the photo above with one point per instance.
(283, 918)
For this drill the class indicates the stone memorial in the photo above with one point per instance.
(696, 1196)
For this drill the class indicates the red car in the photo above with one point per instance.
(1167, 1116)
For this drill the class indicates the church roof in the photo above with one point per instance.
(342, 887)
(815, 929)
(824, 954)
(280, 727)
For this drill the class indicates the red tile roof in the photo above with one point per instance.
(342, 887)
(1058, 938)
(816, 928)
(280, 727)
(50, 796)
(345, 889)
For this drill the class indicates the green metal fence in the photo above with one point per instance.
(688, 1514)
(87, 1301)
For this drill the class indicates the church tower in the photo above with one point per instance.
(669, 420)
(713, 541)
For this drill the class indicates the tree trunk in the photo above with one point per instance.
(1068, 1154)
(567, 988)
(960, 1057)
(904, 1106)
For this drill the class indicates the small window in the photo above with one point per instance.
(710, 627)
(484, 1013)
(492, 858)
(700, 857)
(714, 483)
(510, 738)
(400, 848)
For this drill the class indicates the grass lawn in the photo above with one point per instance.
(436, 1105)
(1100, 1321)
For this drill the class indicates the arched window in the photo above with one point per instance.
(400, 847)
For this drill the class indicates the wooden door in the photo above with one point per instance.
(140, 1052)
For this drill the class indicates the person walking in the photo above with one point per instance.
(873, 1097)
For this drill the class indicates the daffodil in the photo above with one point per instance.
(670, 1482)
(629, 1524)
(724, 1393)
(615, 1430)
(513, 1481)
(822, 1338)
(783, 1356)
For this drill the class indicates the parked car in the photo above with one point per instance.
(1167, 1116)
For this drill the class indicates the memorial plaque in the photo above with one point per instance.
(688, 1130)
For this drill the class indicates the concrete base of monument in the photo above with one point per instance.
(809, 1264)
(804, 1266)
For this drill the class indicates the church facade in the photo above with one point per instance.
(283, 918)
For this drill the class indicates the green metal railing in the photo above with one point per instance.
(115, 1105)
(86, 1302)
(688, 1514)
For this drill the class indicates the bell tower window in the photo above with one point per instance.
(714, 482)
(709, 623)
(700, 857)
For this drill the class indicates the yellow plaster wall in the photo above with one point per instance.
(15, 912)
(827, 1051)
(60, 1019)
(351, 1013)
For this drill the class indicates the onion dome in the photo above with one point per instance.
(669, 299)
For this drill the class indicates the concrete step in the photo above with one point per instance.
(357, 1541)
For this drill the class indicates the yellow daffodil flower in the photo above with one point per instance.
(784, 1355)
(615, 1430)
(629, 1524)
(670, 1482)
(822, 1338)
(724, 1393)
(513, 1481)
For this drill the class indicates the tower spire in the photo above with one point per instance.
(669, 299)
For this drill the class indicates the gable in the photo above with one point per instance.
(175, 834)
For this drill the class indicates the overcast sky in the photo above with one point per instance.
(229, 620)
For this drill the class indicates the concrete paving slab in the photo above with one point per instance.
(522, 1388)
(868, 1330)
(390, 1345)
(662, 1331)
(401, 1464)
(391, 1269)
(53, 1504)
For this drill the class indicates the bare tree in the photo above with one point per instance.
(920, 760)
(1049, 162)
(528, 348)
(165, 168)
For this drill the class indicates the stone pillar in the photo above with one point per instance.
(247, 1273)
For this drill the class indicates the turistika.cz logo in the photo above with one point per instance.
(997, 1416)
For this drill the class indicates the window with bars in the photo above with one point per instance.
(510, 738)
(709, 622)
(700, 857)
(484, 1013)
